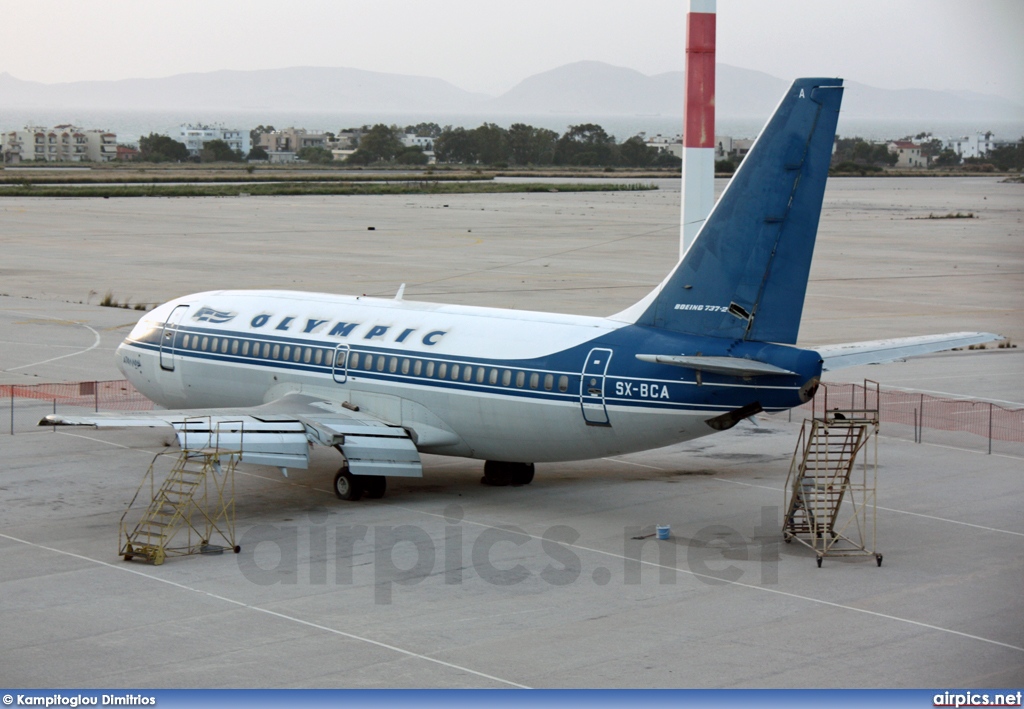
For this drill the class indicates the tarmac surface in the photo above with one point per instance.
(448, 583)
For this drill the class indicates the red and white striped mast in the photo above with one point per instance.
(698, 121)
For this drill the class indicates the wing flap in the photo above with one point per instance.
(852, 354)
(278, 433)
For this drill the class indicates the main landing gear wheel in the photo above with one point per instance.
(499, 473)
(374, 486)
(347, 486)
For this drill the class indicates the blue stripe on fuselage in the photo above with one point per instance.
(628, 382)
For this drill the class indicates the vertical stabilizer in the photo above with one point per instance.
(745, 275)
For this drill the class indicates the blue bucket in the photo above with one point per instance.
(663, 531)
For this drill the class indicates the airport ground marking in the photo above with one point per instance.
(266, 611)
(580, 547)
(740, 584)
(94, 345)
(890, 509)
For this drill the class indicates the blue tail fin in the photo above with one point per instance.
(745, 276)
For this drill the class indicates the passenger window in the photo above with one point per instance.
(318, 356)
(534, 380)
(549, 381)
(494, 376)
(234, 347)
(206, 341)
(442, 370)
(405, 366)
(455, 372)
(266, 350)
(213, 345)
(468, 374)
(287, 352)
(430, 369)
(381, 362)
(297, 354)
(520, 379)
(308, 355)
(563, 383)
(184, 342)
(245, 348)
(339, 358)
(393, 365)
(480, 374)
(368, 364)
(417, 367)
(224, 346)
(277, 352)
(506, 378)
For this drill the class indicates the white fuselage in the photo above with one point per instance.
(466, 381)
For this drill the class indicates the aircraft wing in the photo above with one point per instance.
(278, 433)
(851, 354)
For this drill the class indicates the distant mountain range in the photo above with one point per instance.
(588, 88)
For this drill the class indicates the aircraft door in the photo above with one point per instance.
(168, 338)
(592, 399)
(340, 365)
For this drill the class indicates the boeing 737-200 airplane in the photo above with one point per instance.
(382, 380)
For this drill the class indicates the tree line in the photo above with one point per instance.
(586, 144)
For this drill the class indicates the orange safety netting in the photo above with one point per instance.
(981, 418)
(118, 394)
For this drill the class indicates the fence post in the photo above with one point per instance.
(915, 427)
(96, 396)
(12, 409)
(54, 414)
(990, 428)
(920, 434)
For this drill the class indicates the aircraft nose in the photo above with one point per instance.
(120, 359)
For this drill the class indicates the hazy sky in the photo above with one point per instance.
(490, 45)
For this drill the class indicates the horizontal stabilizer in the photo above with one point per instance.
(730, 366)
(852, 354)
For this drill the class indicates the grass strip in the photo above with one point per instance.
(297, 188)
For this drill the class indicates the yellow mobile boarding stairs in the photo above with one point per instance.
(193, 510)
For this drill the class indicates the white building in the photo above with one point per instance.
(63, 143)
(195, 136)
(909, 154)
(727, 147)
(971, 146)
(424, 142)
(282, 145)
(666, 144)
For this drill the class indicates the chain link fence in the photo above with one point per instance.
(908, 414)
(28, 404)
